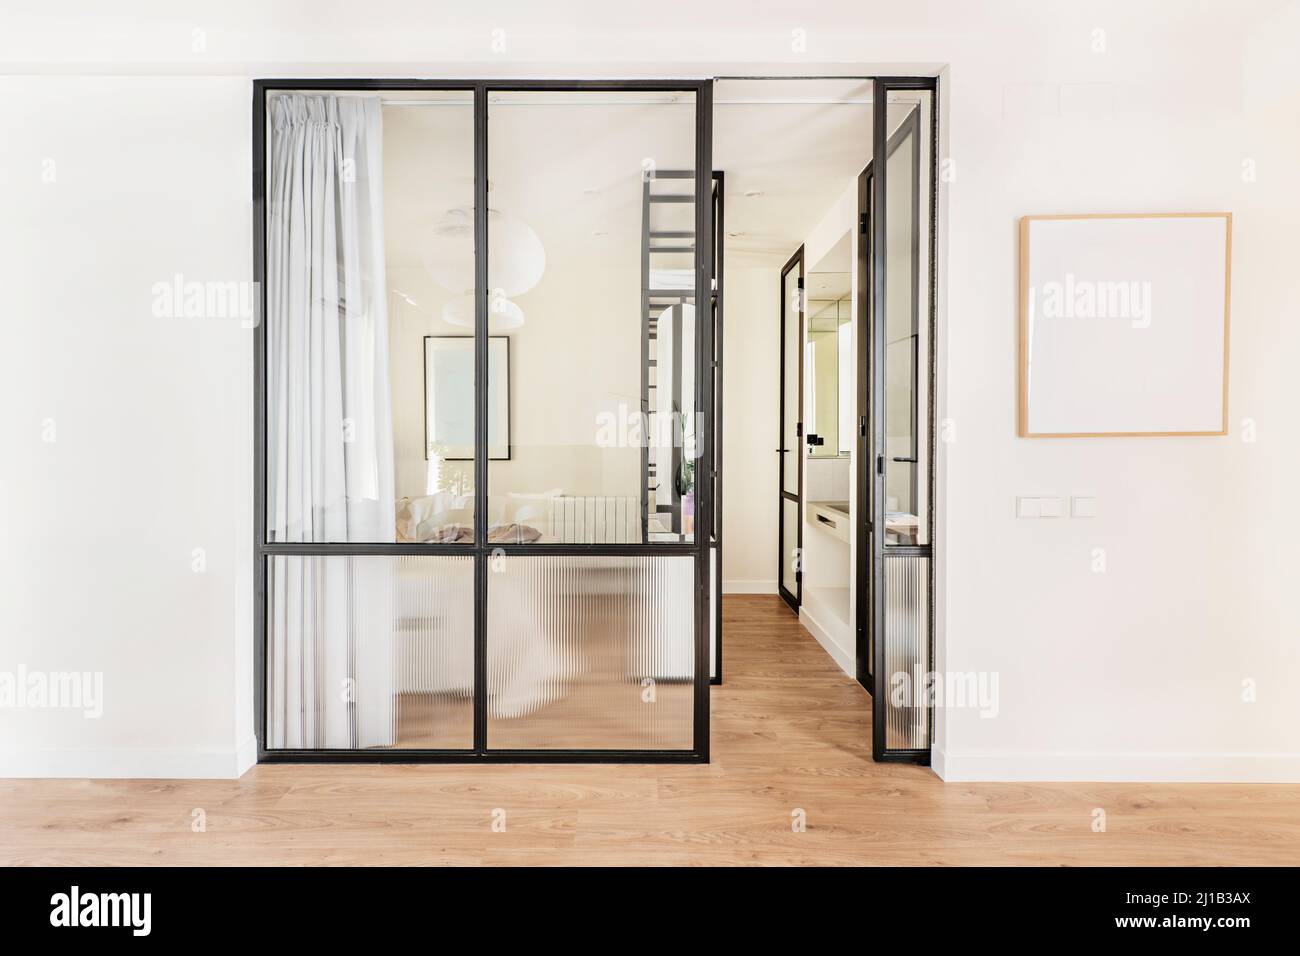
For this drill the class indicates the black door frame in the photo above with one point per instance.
(793, 599)
(698, 549)
(862, 325)
(871, 472)
(866, 373)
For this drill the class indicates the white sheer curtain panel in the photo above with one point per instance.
(329, 426)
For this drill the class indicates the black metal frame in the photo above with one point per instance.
(718, 239)
(509, 445)
(704, 398)
(871, 466)
(863, 456)
(866, 377)
(782, 496)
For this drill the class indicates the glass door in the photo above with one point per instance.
(902, 399)
(789, 452)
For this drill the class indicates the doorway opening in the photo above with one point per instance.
(489, 400)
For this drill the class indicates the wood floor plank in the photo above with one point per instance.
(791, 738)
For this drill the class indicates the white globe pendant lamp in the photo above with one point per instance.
(516, 257)
(502, 313)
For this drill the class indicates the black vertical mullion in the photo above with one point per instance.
(718, 318)
(703, 419)
(259, 418)
(879, 150)
(481, 448)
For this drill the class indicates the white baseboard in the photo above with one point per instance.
(1116, 767)
(839, 655)
(939, 762)
(118, 763)
(748, 587)
(246, 756)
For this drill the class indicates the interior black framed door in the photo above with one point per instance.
(864, 646)
(789, 450)
(900, 476)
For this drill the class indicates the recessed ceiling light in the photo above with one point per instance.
(735, 235)
(591, 191)
(753, 193)
(599, 232)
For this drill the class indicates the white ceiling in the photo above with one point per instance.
(799, 143)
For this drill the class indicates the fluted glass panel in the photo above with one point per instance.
(790, 554)
(370, 651)
(907, 652)
(591, 652)
(715, 577)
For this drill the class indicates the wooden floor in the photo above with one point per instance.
(790, 733)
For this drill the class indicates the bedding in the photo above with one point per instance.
(429, 520)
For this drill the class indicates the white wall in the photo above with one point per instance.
(111, 185)
(751, 403)
(1136, 673)
(826, 561)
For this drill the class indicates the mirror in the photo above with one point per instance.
(828, 355)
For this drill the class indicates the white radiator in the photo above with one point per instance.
(596, 519)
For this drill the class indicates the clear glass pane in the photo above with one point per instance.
(591, 652)
(370, 257)
(592, 279)
(907, 310)
(791, 358)
(370, 651)
(790, 553)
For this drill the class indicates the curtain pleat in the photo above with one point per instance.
(329, 422)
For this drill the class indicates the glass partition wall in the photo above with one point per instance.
(484, 477)
(486, 459)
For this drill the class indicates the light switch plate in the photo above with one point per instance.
(1027, 507)
(1049, 507)
(1083, 507)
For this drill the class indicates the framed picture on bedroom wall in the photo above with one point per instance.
(449, 397)
(1124, 325)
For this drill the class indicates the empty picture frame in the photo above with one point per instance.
(1124, 324)
(449, 397)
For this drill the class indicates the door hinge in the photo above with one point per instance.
(862, 224)
(862, 426)
(880, 465)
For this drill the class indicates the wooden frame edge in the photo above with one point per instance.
(1022, 364)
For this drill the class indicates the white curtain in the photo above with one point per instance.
(329, 438)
